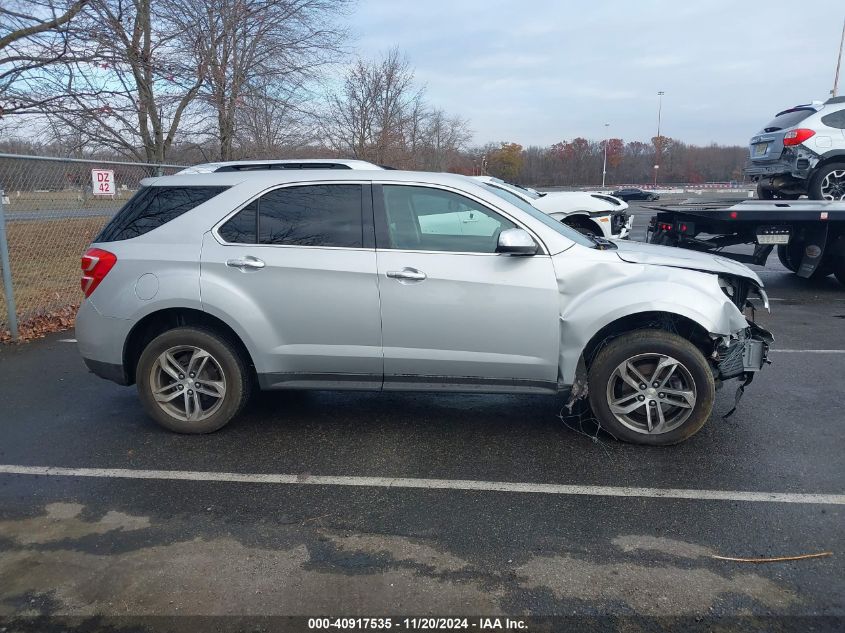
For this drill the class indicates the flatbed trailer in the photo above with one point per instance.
(809, 235)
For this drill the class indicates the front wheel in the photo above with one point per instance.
(192, 380)
(651, 387)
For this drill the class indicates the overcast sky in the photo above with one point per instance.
(537, 72)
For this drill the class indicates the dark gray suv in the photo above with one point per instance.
(801, 152)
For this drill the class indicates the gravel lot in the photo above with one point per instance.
(135, 540)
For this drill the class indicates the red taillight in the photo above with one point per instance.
(796, 137)
(96, 264)
(734, 215)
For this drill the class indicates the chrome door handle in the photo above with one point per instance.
(246, 263)
(407, 274)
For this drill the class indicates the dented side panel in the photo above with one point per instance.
(595, 291)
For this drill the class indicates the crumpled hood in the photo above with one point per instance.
(651, 254)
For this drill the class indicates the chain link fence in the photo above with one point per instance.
(50, 213)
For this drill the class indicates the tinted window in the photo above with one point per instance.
(243, 227)
(420, 218)
(152, 207)
(313, 215)
(835, 119)
(788, 118)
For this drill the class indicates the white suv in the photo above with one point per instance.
(594, 214)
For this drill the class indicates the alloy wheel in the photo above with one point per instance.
(188, 383)
(651, 393)
(833, 185)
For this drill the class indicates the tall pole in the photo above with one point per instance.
(604, 164)
(838, 62)
(7, 273)
(657, 143)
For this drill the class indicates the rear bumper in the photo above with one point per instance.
(795, 162)
(109, 371)
(100, 340)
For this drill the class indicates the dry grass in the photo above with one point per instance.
(45, 265)
(65, 200)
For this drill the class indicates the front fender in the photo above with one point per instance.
(595, 291)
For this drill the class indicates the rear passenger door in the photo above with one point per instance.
(296, 269)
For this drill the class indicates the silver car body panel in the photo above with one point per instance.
(333, 317)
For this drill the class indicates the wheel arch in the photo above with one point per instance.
(649, 320)
(580, 218)
(160, 321)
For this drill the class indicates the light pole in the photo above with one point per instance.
(604, 164)
(657, 143)
(838, 62)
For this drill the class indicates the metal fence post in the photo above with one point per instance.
(7, 271)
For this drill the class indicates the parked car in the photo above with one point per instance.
(589, 213)
(801, 152)
(632, 193)
(204, 285)
(265, 165)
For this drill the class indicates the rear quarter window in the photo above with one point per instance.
(153, 207)
(835, 119)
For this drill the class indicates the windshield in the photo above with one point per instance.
(561, 228)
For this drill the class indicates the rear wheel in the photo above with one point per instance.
(191, 380)
(651, 387)
(829, 182)
(790, 255)
(783, 256)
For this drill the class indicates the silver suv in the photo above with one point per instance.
(206, 285)
(801, 152)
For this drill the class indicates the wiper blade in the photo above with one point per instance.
(602, 243)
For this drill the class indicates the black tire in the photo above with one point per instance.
(817, 182)
(783, 256)
(226, 360)
(659, 343)
(790, 255)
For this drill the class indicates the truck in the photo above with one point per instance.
(807, 235)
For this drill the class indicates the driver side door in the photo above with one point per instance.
(455, 313)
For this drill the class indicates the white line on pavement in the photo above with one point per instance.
(428, 484)
(67, 340)
(809, 351)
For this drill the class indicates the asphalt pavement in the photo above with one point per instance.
(371, 504)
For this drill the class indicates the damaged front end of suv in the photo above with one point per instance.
(743, 353)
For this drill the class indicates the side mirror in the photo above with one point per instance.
(516, 242)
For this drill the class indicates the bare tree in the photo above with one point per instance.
(34, 34)
(258, 50)
(380, 115)
(132, 83)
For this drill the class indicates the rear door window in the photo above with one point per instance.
(153, 207)
(310, 215)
